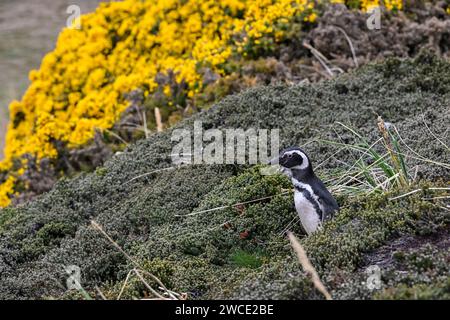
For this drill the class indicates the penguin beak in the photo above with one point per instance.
(274, 161)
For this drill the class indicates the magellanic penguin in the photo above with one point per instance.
(313, 202)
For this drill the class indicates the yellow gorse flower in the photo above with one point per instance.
(367, 5)
(6, 191)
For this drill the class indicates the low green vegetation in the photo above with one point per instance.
(187, 227)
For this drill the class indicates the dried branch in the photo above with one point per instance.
(307, 266)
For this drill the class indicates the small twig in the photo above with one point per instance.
(147, 285)
(124, 284)
(433, 134)
(285, 229)
(307, 266)
(314, 69)
(149, 173)
(352, 49)
(383, 185)
(405, 195)
(100, 293)
(179, 296)
(232, 205)
(320, 57)
(337, 69)
(417, 190)
(161, 285)
(437, 198)
(115, 244)
(116, 136)
(159, 125)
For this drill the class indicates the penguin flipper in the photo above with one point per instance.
(329, 208)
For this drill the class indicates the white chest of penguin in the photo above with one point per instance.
(308, 216)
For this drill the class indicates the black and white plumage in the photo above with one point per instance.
(313, 202)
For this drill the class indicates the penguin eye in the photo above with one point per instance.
(289, 155)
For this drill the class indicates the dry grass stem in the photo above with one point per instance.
(96, 226)
(159, 125)
(307, 266)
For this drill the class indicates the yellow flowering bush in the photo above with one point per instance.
(123, 46)
(367, 5)
(6, 191)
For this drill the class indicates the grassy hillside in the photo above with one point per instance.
(242, 251)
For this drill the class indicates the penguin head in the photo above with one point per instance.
(293, 158)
